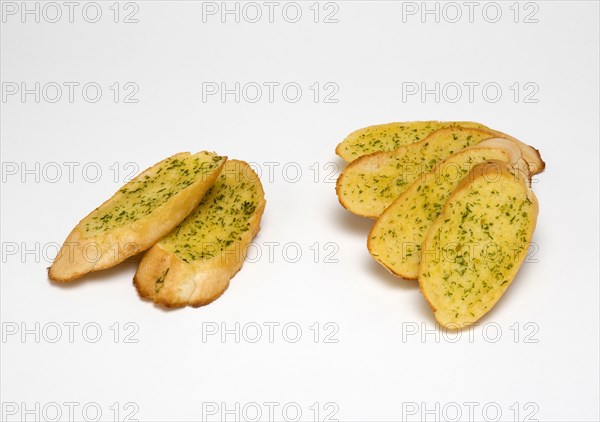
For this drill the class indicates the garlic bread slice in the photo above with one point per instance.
(137, 215)
(395, 239)
(476, 246)
(194, 263)
(389, 136)
(368, 185)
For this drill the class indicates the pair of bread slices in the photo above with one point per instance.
(453, 205)
(196, 213)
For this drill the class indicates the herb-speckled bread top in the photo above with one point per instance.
(396, 238)
(476, 246)
(137, 215)
(389, 136)
(142, 195)
(194, 263)
(221, 218)
(370, 184)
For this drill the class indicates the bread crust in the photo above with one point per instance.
(531, 155)
(168, 281)
(479, 171)
(81, 254)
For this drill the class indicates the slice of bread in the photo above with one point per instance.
(195, 262)
(476, 246)
(395, 239)
(389, 136)
(137, 215)
(368, 185)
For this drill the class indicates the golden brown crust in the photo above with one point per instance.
(82, 254)
(171, 282)
(530, 154)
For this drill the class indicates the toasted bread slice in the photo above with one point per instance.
(476, 246)
(395, 239)
(368, 185)
(389, 136)
(137, 215)
(195, 262)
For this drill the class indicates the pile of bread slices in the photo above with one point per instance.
(196, 213)
(453, 205)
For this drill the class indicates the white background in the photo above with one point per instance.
(384, 365)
